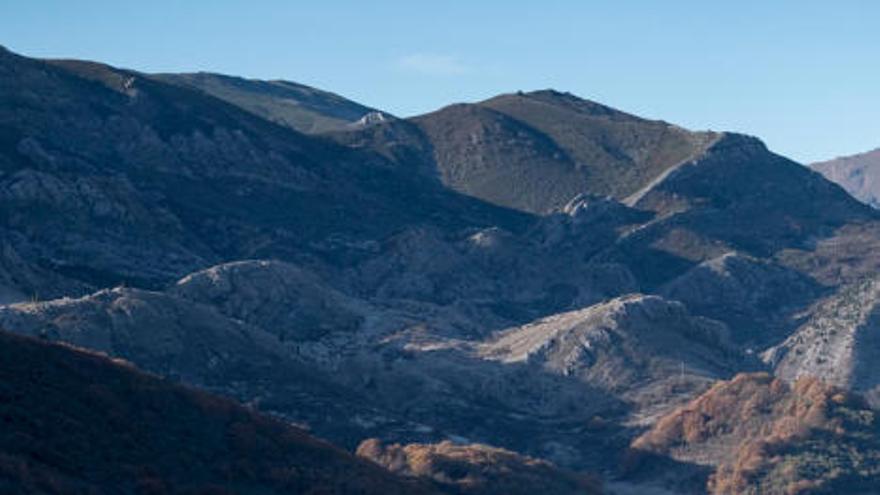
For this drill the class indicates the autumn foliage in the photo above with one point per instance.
(476, 469)
(770, 437)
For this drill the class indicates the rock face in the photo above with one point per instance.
(76, 422)
(840, 342)
(477, 469)
(858, 174)
(301, 108)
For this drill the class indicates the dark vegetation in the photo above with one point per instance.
(75, 422)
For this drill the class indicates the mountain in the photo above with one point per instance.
(736, 197)
(78, 422)
(709, 193)
(299, 107)
(535, 272)
(110, 176)
(762, 436)
(536, 151)
(858, 174)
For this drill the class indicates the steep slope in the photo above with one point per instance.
(762, 436)
(76, 422)
(858, 174)
(299, 107)
(476, 469)
(840, 342)
(110, 176)
(618, 152)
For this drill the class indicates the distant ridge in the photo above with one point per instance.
(858, 174)
(300, 107)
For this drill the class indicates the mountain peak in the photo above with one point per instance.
(563, 99)
(536, 151)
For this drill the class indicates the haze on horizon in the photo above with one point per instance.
(800, 75)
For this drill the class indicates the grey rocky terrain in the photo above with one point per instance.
(840, 342)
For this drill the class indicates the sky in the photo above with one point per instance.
(802, 75)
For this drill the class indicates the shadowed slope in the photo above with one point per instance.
(80, 423)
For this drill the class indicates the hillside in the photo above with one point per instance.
(858, 174)
(643, 347)
(839, 342)
(536, 151)
(77, 422)
(762, 436)
(299, 107)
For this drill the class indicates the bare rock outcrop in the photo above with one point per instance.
(840, 343)
(645, 347)
(281, 298)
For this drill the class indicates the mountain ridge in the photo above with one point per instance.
(859, 174)
(297, 106)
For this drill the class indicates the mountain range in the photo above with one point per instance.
(535, 287)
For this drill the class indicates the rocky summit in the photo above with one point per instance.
(534, 292)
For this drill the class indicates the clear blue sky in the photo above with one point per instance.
(802, 75)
